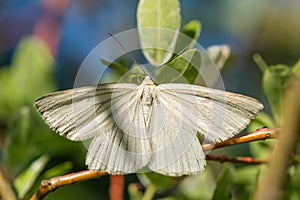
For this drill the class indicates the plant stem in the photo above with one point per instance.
(271, 185)
(116, 188)
(6, 191)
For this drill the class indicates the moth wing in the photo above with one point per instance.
(121, 152)
(216, 114)
(176, 150)
(99, 113)
(78, 114)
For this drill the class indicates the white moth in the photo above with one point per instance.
(147, 125)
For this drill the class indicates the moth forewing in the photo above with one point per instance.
(173, 140)
(220, 114)
(58, 111)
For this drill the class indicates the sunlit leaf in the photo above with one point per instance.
(158, 23)
(58, 170)
(26, 179)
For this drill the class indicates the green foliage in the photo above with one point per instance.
(27, 139)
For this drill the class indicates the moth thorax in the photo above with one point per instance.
(147, 100)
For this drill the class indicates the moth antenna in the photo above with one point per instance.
(125, 50)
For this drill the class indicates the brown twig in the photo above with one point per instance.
(243, 160)
(50, 185)
(6, 191)
(261, 134)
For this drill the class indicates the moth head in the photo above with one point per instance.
(147, 81)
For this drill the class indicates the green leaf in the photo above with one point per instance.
(185, 65)
(224, 184)
(158, 23)
(27, 178)
(189, 36)
(275, 81)
(58, 170)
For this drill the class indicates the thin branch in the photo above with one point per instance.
(261, 134)
(6, 191)
(242, 160)
(50, 185)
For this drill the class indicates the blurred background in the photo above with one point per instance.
(69, 30)
(73, 28)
